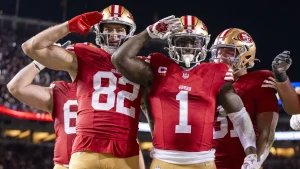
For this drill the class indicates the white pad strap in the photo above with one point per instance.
(38, 65)
(243, 126)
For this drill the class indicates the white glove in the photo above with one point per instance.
(164, 27)
(295, 122)
(250, 162)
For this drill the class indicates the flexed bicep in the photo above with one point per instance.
(54, 57)
(136, 70)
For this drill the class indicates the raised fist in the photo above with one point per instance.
(280, 65)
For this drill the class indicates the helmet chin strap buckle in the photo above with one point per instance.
(187, 62)
(187, 59)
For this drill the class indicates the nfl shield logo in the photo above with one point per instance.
(157, 167)
(185, 75)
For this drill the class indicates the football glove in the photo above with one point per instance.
(250, 162)
(164, 27)
(82, 24)
(280, 65)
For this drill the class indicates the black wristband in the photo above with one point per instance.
(281, 77)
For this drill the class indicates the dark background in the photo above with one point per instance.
(272, 24)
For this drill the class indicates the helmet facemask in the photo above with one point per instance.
(112, 39)
(188, 50)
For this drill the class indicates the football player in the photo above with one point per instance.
(184, 93)
(59, 100)
(257, 90)
(108, 103)
(288, 95)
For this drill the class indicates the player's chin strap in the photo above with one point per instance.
(244, 128)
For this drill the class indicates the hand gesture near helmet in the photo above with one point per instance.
(40, 47)
(82, 24)
(280, 65)
(164, 27)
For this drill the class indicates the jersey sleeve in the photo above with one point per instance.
(228, 75)
(144, 58)
(70, 48)
(155, 60)
(52, 85)
(222, 74)
(84, 51)
(222, 71)
(59, 86)
(265, 95)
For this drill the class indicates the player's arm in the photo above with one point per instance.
(266, 110)
(40, 47)
(134, 69)
(288, 96)
(145, 107)
(125, 59)
(233, 105)
(266, 125)
(22, 88)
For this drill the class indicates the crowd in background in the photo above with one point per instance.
(12, 60)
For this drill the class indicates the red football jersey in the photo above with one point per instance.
(258, 93)
(64, 115)
(183, 103)
(108, 105)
